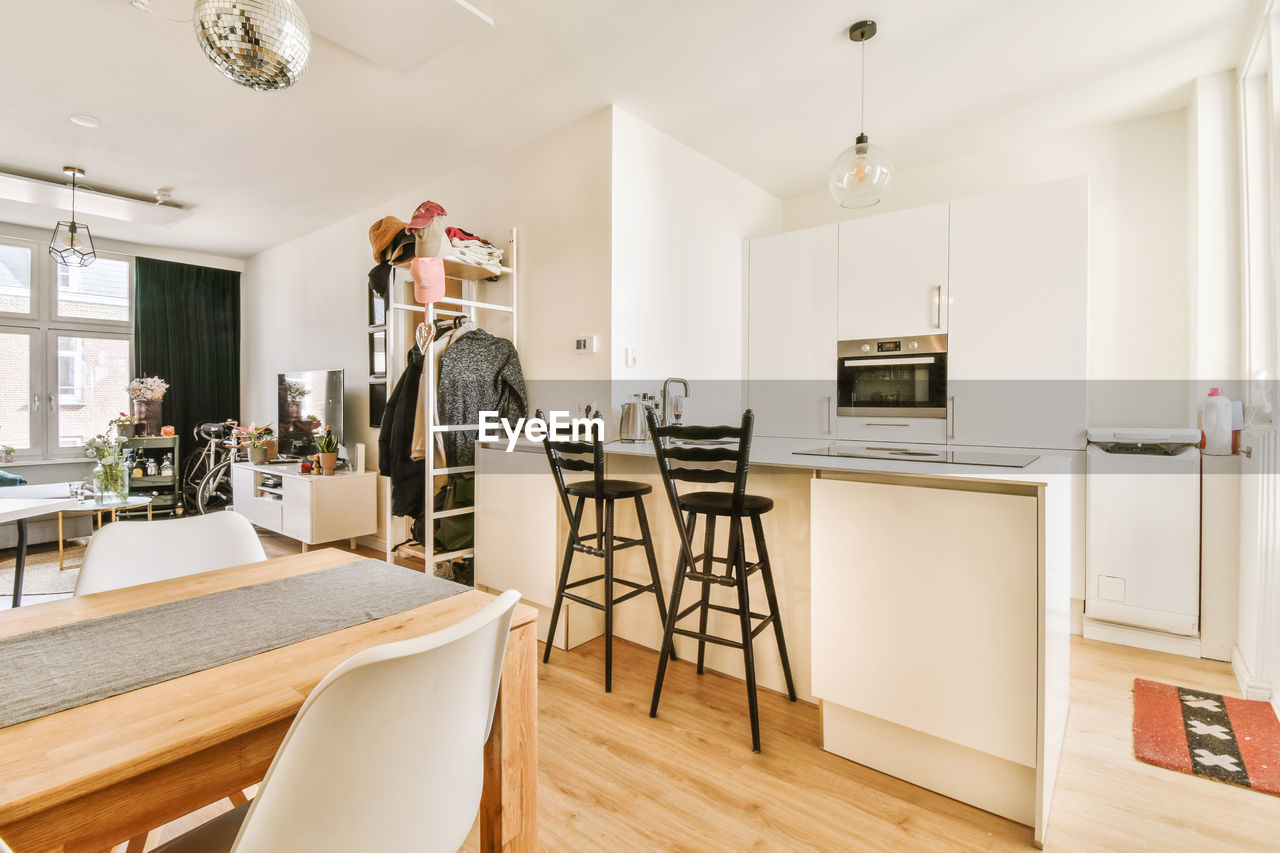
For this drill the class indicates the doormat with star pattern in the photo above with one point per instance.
(1204, 734)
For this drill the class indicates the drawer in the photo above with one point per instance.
(263, 512)
(895, 430)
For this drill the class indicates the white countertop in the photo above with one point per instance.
(782, 452)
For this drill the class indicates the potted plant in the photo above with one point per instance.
(256, 437)
(110, 478)
(7, 452)
(124, 425)
(328, 447)
(146, 393)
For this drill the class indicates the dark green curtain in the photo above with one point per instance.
(186, 330)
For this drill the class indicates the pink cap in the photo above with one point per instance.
(423, 216)
(1215, 392)
(428, 279)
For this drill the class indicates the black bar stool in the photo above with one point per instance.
(568, 456)
(681, 444)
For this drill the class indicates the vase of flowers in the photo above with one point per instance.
(327, 444)
(110, 477)
(7, 453)
(146, 393)
(257, 438)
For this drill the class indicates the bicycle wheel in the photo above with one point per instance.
(193, 472)
(215, 489)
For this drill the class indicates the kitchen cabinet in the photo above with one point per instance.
(893, 274)
(791, 332)
(1018, 290)
(943, 659)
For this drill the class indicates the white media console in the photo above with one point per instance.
(306, 507)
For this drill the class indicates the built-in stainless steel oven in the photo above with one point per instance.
(892, 377)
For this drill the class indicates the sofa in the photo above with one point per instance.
(44, 528)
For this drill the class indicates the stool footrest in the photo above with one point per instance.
(587, 549)
(710, 638)
(710, 577)
(578, 598)
(584, 581)
(638, 591)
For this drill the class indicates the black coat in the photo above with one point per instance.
(395, 442)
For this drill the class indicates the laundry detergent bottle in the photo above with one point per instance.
(1215, 423)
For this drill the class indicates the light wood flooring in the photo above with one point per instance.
(612, 779)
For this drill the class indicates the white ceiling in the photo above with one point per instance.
(767, 88)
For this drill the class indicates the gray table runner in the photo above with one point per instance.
(58, 668)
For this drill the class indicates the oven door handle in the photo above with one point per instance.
(889, 362)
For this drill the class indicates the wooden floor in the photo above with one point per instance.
(613, 779)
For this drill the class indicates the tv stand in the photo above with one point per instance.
(312, 509)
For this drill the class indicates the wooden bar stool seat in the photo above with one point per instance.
(611, 489)
(686, 444)
(721, 503)
(604, 543)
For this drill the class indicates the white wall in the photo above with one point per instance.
(304, 302)
(1213, 207)
(679, 222)
(1139, 325)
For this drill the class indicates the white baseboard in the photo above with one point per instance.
(1141, 638)
(1250, 686)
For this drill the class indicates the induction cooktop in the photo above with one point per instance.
(990, 458)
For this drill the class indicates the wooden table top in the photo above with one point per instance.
(54, 759)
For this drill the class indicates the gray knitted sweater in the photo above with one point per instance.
(478, 372)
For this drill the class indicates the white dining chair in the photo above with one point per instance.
(136, 552)
(386, 754)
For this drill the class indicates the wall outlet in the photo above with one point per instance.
(584, 345)
(629, 357)
(580, 409)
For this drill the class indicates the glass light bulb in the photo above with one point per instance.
(861, 175)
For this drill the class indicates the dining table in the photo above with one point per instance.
(89, 777)
(19, 509)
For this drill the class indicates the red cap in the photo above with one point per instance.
(1215, 392)
(423, 216)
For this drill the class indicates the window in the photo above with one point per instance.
(66, 343)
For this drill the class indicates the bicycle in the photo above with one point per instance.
(206, 482)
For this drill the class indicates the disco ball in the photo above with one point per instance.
(262, 44)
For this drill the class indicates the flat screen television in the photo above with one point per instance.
(309, 402)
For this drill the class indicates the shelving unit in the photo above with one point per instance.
(165, 492)
(399, 309)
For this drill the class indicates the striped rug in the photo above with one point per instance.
(1220, 737)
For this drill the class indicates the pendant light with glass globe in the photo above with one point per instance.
(861, 175)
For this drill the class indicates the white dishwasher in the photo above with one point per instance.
(1142, 557)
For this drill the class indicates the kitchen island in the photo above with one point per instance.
(925, 604)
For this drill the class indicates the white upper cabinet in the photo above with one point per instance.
(1019, 278)
(791, 332)
(893, 274)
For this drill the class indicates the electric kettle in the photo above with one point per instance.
(633, 427)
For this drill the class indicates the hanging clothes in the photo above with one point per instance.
(395, 441)
(438, 346)
(478, 372)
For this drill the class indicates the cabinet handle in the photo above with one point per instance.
(888, 425)
(828, 414)
(938, 323)
(951, 416)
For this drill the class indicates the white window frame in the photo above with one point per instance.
(44, 326)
